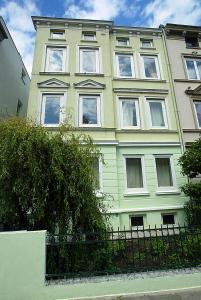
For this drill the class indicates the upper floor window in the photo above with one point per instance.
(89, 60)
(150, 67)
(121, 41)
(129, 113)
(146, 43)
(124, 65)
(193, 68)
(55, 59)
(197, 105)
(89, 36)
(164, 170)
(157, 113)
(57, 34)
(89, 111)
(23, 76)
(135, 175)
(191, 42)
(51, 111)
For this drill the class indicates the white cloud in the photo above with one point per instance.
(95, 9)
(18, 20)
(168, 11)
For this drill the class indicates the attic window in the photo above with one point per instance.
(57, 34)
(191, 42)
(121, 41)
(89, 36)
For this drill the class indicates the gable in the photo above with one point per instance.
(89, 84)
(53, 83)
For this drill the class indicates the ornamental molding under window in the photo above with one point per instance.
(53, 83)
(196, 91)
(137, 90)
(89, 84)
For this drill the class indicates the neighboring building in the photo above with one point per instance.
(184, 51)
(115, 83)
(14, 79)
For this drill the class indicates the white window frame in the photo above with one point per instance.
(156, 59)
(57, 31)
(133, 191)
(149, 40)
(138, 215)
(97, 51)
(169, 213)
(85, 34)
(164, 111)
(164, 189)
(136, 100)
(62, 109)
(80, 110)
(196, 116)
(117, 64)
(47, 59)
(122, 39)
(195, 66)
(99, 192)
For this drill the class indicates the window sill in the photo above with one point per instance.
(130, 194)
(55, 73)
(140, 79)
(121, 46)
(148, 48)
(191, 47)
(55, 40)
(168, 192)
(88, 41)
(90, 74)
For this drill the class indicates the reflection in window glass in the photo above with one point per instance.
(52, 110)
(156, 111)
(124, 65)
(89, 108)
(55, 60)
(194, 68)
(129, 113)
(164, 173)
(89, 61)
(198, 111)
(146, 43)
(150, 67)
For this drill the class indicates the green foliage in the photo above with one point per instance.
(190, 163)
(47, 179)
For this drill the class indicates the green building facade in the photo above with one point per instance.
(114, 83)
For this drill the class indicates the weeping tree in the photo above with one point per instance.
(190, 163)
(47, 179)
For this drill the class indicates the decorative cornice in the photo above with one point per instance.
(89, 84)
(141, 91)
(53, 83)
(143, 209)
(148, 144)
(196, 91)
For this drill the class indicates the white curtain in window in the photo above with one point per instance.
(156, 111)
(164, 174)
(129, 113)
(134, 173)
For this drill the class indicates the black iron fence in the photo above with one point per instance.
(101, 253)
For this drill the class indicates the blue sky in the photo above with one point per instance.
(150, 13)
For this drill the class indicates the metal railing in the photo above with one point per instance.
(112, 252)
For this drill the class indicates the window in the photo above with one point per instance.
(51, 114)
(135, 179)
(23, 76)
(89, 111)
(19, 107)
(55, 59)
(164, 173)
(122, 41)
(191, 42)
(157, 113)
(97, 174)
(129, 112)
(193, 68)
(168, 219)
(150, 67)
(89, 36)
(124, 63)
(89, 60)
(136, 221)
(197, 105)
(146, 43)
(57, 34)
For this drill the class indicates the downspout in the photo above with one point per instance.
(172, 84)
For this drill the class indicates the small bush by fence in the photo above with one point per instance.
(94, 253)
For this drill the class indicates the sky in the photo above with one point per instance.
(146, 13)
